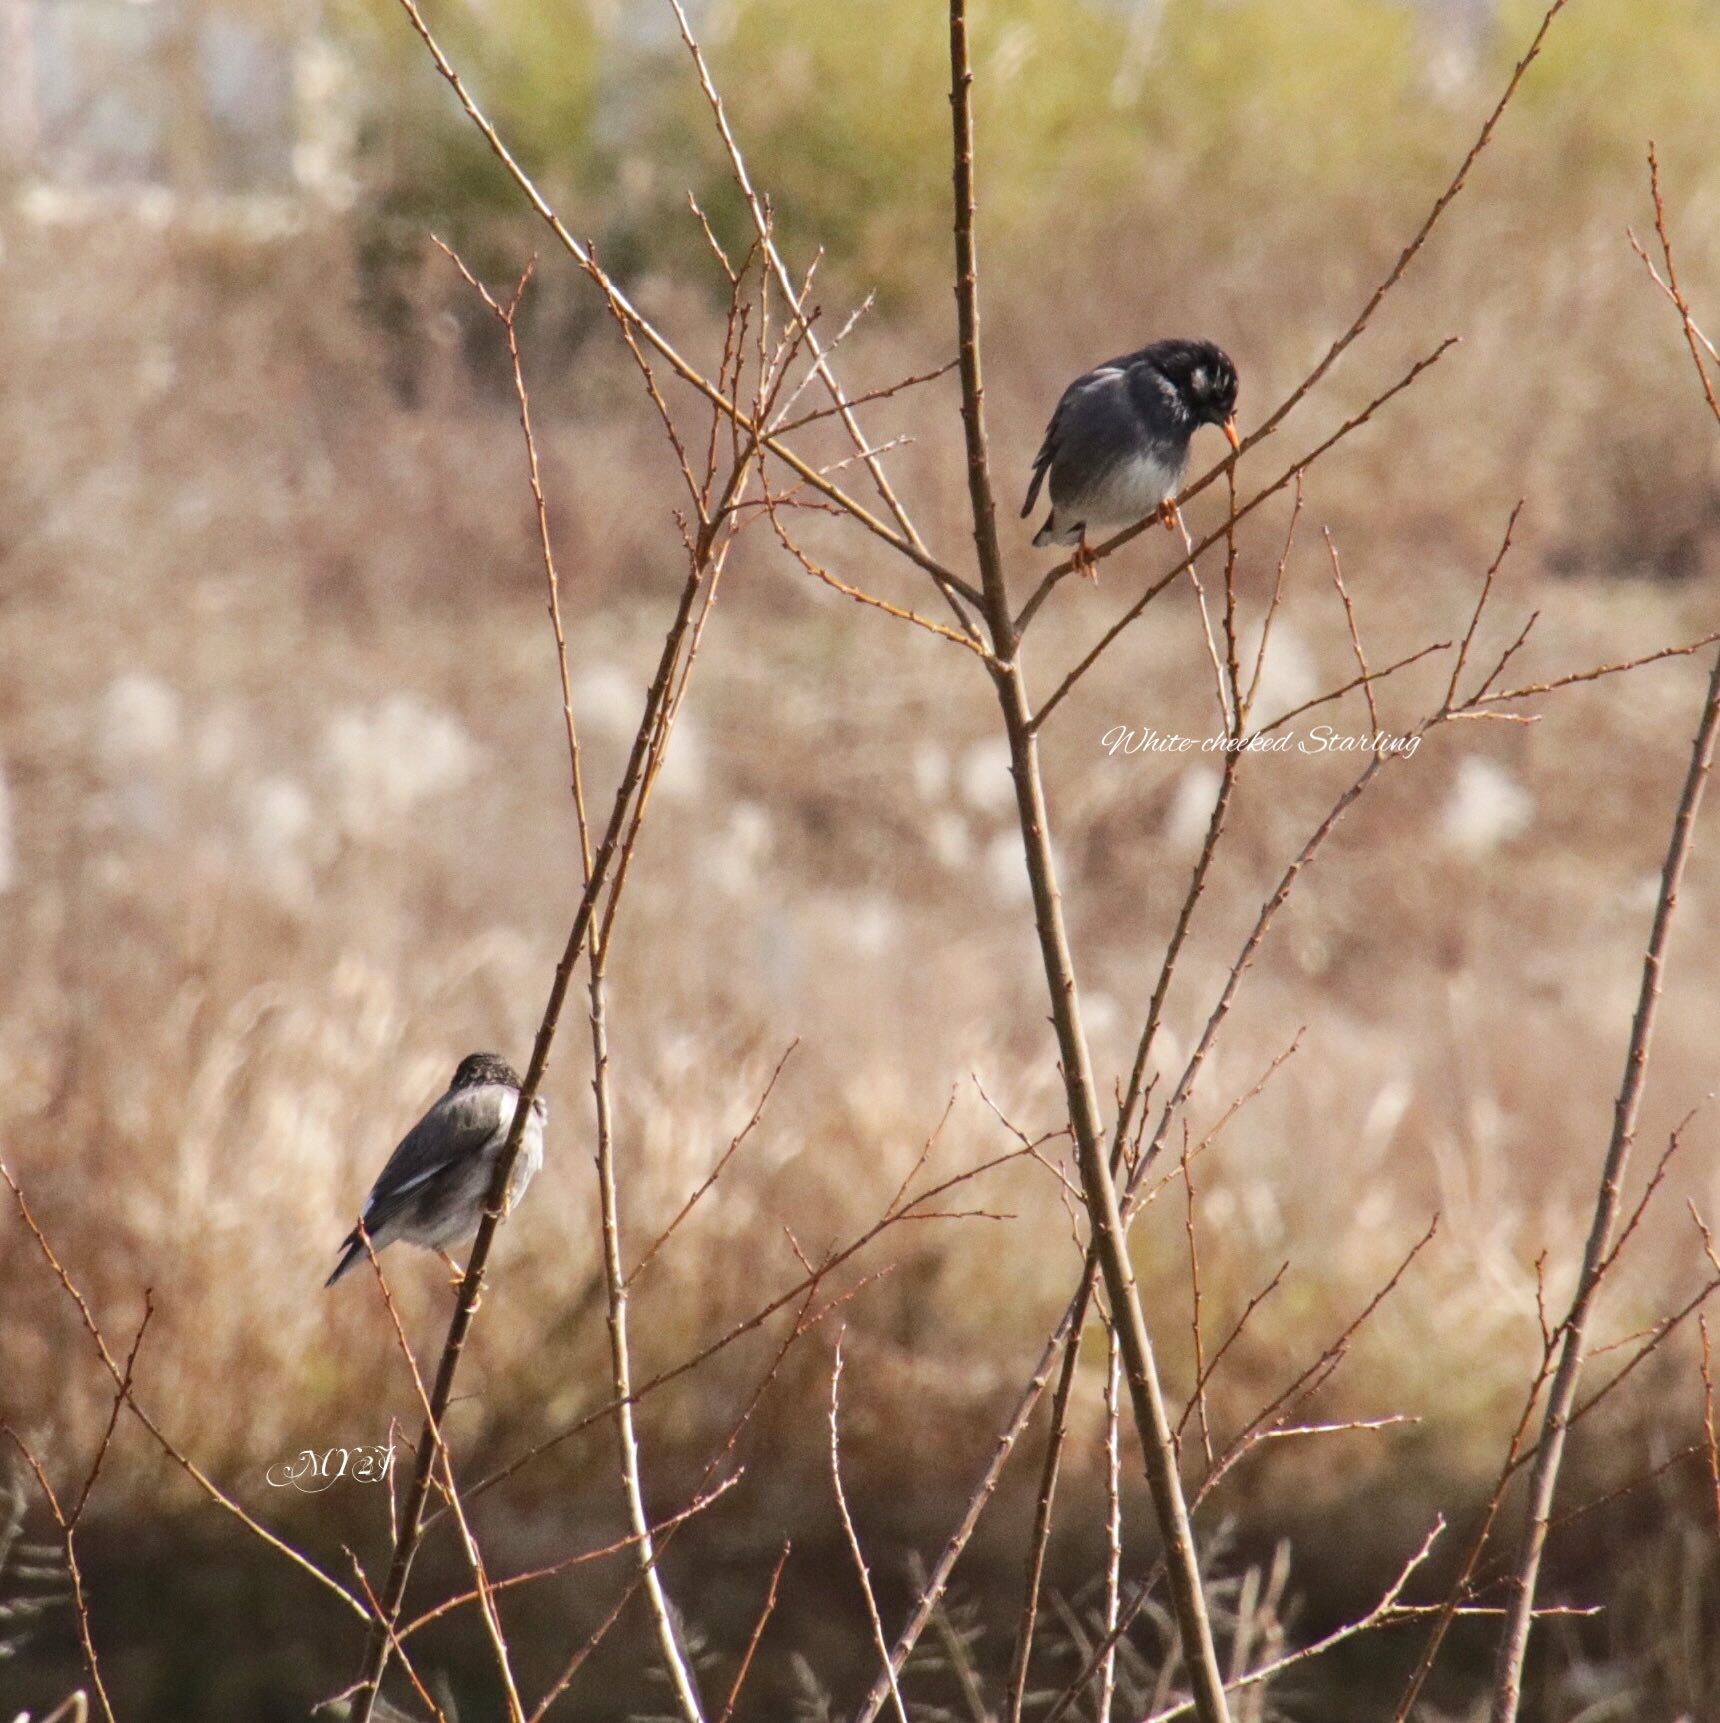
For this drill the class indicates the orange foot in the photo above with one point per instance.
(1169, 519)
(456, 1275)
(1082, 558)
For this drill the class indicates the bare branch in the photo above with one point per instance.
(1561, 1398)
(854, 1537)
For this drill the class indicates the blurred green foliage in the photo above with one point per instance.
(1090, 111)
(536, 67)
(1614, 76)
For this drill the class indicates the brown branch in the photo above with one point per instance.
(1173, 950)
(884, 392)
(674, 1657)
(1480, 605)
(1274, 601)
(659, 1529)
(68, 1542)
(398, 1650)
(121, 1395)
(1366, 678)
(1508, 1670)
(837, 584)
(716, 1171)
(841, 404)
(1098, 1187)
(804, 1322)
(1711, 1440)
(1250, 947)
(759, 1626)
(1041, 1534)
(1272, 1417)
(1694, 339)
(853, 1537)
(1199, 1395)
(1366, 681)
(1232, 1337)
(1386, 1612)
(1599, 671)
(1113, 1523)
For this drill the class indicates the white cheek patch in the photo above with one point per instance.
(1199, 380)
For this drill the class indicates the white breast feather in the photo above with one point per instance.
(1130, 489)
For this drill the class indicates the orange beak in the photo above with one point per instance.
(1230, 435)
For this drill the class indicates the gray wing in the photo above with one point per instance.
(1090, 418)
(455, 1129)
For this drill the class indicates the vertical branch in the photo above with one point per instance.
(1042, 1507)
(1113, 1524)
(1233, 668)
(67, 1524)
(1098, 1187)
(1194, 1303)
(1710, 1436)
(680, 1676)
(854, 1537)
(984, 504)
(484, 1591)
(1544, 1476)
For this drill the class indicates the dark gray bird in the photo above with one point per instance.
(1117, 445)
(432, 1190)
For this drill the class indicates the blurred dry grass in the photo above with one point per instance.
(289, 834)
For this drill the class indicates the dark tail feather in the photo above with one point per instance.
(1033, 488)
(351, 1251)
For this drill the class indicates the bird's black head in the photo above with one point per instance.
(1204, 377)
(478, 1068)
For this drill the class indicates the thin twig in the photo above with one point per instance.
(1712, 1441)
(674, 1657)
(68, 1542)
(1367, 679)
(1041, 1534)
(1508, 1670)
(1385, 1613)
(716, 1171)
(1199, 1398)
(853, 1537)
(1113, 1525)
(759, 1626)
(623, 825)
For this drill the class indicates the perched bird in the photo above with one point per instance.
(1117, 445)
(432, 1190)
